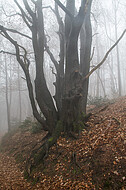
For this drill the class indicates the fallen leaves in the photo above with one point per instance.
(100, 156)
(11, 177)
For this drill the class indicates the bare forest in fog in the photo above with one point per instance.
(62, 94)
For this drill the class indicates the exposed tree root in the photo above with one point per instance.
(38, 155)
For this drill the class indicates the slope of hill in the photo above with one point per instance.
(96, 160)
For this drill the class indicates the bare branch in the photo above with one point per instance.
(26, 22)
(24, 15)
(105, 57)
(2, 34)
(23, 78)
(25, 53)
(14, 54)
(28, 8)
(10, 15)
(22, 11)
(94, 34)
(17, 46)
(15, 31)
(59, 19)
(49, 7)
(7, 36)
(64, 9)
(94, 17)
(6, 52)
(51, 56)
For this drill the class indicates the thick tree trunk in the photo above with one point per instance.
(75, 94)
(85, 41)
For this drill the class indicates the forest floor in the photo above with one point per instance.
(96, 160)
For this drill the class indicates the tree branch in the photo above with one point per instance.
(59, 19)
(105, 57)
(64, 9)
(14, 54)
(22, 11)
(49, 7)
(24, 15)
(17, 46)
(15, 14)
(31, 13)
(51, 56)
(6, 52)
(15, 31)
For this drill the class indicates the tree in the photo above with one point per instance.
(75, 91)
(72, 81)
(116, 6)
(68, 98)
(7, 97)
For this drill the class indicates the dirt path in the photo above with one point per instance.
(11, 177)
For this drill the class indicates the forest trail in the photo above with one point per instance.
(100, 155)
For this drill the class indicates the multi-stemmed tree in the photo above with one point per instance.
(69, 84)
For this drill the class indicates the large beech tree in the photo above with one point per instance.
(72, 72)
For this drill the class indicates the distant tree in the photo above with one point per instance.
(7, 95)
(116, 7)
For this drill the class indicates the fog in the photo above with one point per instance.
(108, 22)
